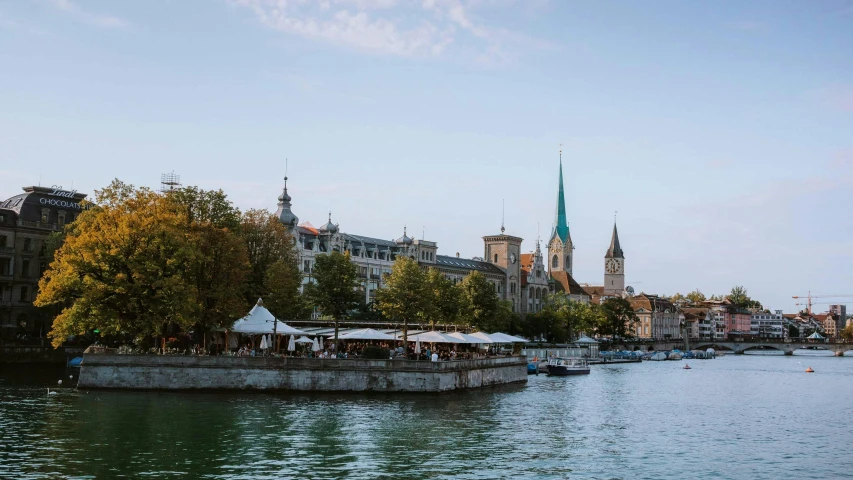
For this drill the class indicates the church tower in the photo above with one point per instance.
(504, 251)
(614, 267)
(560, 246)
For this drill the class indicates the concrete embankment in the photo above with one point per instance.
(35, 354)
(177, 372)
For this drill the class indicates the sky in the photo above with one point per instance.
(721, 132)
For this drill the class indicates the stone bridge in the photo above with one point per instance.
(741, 346)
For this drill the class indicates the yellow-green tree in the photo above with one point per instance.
(847, 333)
(122, 268)
(405, 296)
(267, 242)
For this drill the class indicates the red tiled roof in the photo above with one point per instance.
(567, 284)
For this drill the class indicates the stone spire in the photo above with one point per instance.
(284, 214)
(561, 224)
(615, 251)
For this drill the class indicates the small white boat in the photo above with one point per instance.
(674, 355)
(562, 367)
(658, 356)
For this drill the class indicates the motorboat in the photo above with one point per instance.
(562, 367)
(674, 355)
(532, 368)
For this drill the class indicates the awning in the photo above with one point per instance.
(366, 334)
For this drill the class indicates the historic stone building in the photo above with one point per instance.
(375, 256)
(534, 281)
(26, 220)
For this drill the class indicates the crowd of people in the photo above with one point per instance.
(355, 349)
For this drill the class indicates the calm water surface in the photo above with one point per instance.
(753, 417)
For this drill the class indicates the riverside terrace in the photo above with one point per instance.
(193, 372)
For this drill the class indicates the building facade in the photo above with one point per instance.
(768, 325)
(659, 318)
(26, 221)
(374, 257)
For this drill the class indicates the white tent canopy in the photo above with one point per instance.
(584, 340)
(261, 321)
(815, 336)
(366, 334)
(499, 337)
(435, 337)
(468, 338)
(304, 339)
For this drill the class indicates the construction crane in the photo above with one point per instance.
(809, 297)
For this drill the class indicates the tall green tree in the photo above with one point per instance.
(267, 242)
(220, 266)
(281, 288)
(479, 301)
(444, 297)
(405, 296)
(617, 318)
(122, 268)
(847, 333)
(740, 298)
(335, 289)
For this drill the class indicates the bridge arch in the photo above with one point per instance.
(716, 346)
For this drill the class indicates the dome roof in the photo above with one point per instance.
(404, 240)
(329, 227)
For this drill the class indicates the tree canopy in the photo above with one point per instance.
(335, 291)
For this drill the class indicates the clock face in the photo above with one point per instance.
(512, 258)
(611, 266)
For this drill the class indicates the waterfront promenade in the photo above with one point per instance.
(740, 346)
(190, 372)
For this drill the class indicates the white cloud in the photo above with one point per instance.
(97, 19)
(390, 27)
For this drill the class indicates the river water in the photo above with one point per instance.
(752, 417)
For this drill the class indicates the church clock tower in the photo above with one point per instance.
(560, 248)
(614, 267)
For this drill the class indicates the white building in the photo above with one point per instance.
(768, 325)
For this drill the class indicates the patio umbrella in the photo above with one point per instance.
(291, 345)
(316, 346)
(418, 346)
(263, 342)
(304, 339)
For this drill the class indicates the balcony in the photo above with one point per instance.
(42, 226)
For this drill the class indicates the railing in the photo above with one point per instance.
(46, 226)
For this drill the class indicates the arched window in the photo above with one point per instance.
(568, 262)
(555, 262)
(496, 258)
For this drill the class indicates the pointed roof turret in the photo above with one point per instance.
(615, 251)
(284, 214)
(561, 224)
(329, 227)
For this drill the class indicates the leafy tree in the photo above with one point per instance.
(847, 333)
(335, 291)
(571, 317)
(220, 266)
(281, 287)
(739, 298)
(696, 296)
(793, 331)
(678, 298)
(617, 318)
(405, 295)
(444, 297)
(122, 268)
(267, 242)
(479, 301)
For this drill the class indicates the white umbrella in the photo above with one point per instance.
(304, 339)
(366, 334)
(291, 345)
(269, 341)
(417, 346)
(316, 346)
(263, 342)
(437, 337)
(468, 338)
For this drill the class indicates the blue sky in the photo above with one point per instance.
(722, 132)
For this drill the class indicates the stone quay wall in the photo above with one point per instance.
(36, 354)
(178, 372)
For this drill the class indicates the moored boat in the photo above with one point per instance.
(568, 366)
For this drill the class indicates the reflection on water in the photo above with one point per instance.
(734, 417)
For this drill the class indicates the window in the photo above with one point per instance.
(61, 218)
(28, 244)
(45, 215)
(5, 266)
(555, 262)
(496, 258)
(25, 294)
(3, 241)
(306, 266)
(25, 268)
(3, 218)
(568, 261)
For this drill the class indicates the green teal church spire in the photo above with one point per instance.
(561, 224)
